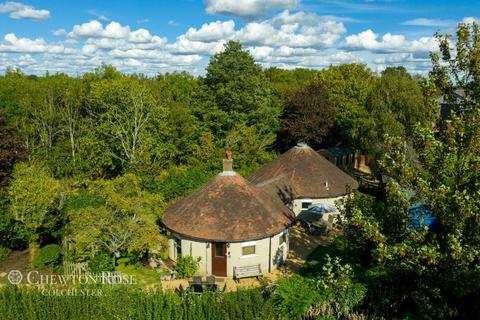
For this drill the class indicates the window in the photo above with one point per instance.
(248, 250)
(282, 239)
(219, 249)
(178, 248)
(306, 205)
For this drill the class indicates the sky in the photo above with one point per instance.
(161, 36)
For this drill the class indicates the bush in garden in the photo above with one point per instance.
(50, 255)
(294, 295)
(187, 266)
(101, 262)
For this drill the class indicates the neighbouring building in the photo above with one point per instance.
(342, 157)
(229, 223)
(453, 105)
(301, 178)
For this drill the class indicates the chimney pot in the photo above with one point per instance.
(228, 161)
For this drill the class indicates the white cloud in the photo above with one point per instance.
(114, 30)
(173, 23)
(88, 29)
(294, 30)
(11, 43)
(367, 40)
(260, 53)
(287, 40)
(212, 31)
(140, 35)
(247, 8)
(424, 22)
(59, 32)
(184, 45)
(470, 20)
(17, 10)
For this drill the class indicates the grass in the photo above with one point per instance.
(335, 249)
(140, 274)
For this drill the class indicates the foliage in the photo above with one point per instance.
(249, 148)
(178, 181)
(187, 266)
(338, 289)
(126, 222)
(4, 252)
(235, 92)
(101, 262)
(33, 194)
(293, 296)
(348, 87)
(336, 248)
(402, 268)
(49, 255)
(11, 149)
(120, 302)
(308, 116)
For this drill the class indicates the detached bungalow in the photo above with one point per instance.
(302, 178)
(235, 227)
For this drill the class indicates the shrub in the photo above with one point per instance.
(294, 295)
(50, 255)
(129, 302)
(187, 266)
(101, 262)
(4, 252)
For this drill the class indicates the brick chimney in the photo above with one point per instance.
(228, 161)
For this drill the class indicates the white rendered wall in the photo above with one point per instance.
(297, 203)
(263, 253)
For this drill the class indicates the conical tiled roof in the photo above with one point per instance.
(228, 208)
(302, 173)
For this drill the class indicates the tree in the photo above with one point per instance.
(249, 148)
(12, 149)
(348, 87)
(33, 195)
(130, 121)
(122, 220)
(424, 273)
(307, 116)
(70, 114)
(235, 91)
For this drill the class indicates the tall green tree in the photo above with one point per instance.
(348, 87)
(235, 91)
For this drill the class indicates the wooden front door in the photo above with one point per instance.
(219, 259)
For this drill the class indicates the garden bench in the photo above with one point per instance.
(247, 271)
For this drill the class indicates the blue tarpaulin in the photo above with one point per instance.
(421, 216)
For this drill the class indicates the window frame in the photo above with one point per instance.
(249, 244)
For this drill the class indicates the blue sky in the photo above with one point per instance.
(165, 36)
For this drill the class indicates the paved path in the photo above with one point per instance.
(302, 244)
